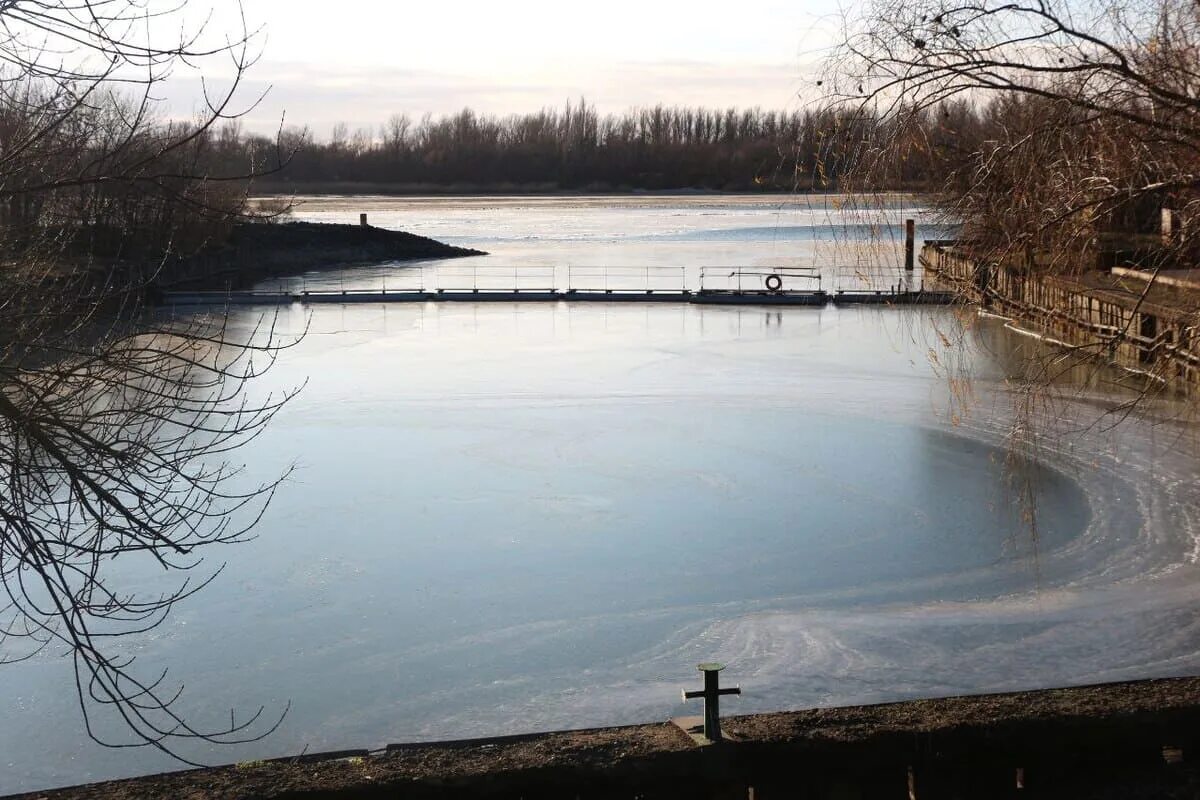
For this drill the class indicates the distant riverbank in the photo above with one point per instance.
(350, 188)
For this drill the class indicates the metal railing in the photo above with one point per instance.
(873, 279)
(494, 278)
(772, 279)
(626, 279)
(487, 278)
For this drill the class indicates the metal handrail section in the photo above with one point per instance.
(626, 279)
(870, 278)
(743, 279)
(487, 278)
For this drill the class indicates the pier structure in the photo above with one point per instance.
(1136, 319)
(451, 282)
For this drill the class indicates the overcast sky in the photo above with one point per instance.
(360, 61)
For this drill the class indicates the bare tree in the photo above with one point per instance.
(395, 133)
(1094, 107)
(117, 428)
(1085, 126)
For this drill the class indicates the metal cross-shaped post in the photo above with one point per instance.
(712, 700)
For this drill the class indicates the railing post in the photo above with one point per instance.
(910, 243)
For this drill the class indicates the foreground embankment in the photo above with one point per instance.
(1132, 739)
(255, 252)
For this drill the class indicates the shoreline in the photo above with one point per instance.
(1129, 739)
(1134, 325)
(258, 251)
(416, 191)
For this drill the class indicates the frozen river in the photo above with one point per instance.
(509, 517)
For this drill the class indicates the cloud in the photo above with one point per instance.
(320, 95)
(360, 61)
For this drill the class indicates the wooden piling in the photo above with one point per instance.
(1084, 311)
(362, 220)
(910, 244)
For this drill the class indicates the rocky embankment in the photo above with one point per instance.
(255, 252)
(1127, 740)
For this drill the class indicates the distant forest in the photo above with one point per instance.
(660, 148)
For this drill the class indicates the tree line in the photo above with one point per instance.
(105, 177)
(577, 148)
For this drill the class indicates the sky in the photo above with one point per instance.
(361, 61)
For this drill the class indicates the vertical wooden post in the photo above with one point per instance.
(910, 244)
(362, 220)
(1168, 226)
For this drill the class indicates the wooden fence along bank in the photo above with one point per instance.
(1121, 315)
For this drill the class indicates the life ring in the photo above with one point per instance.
(774, 283)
